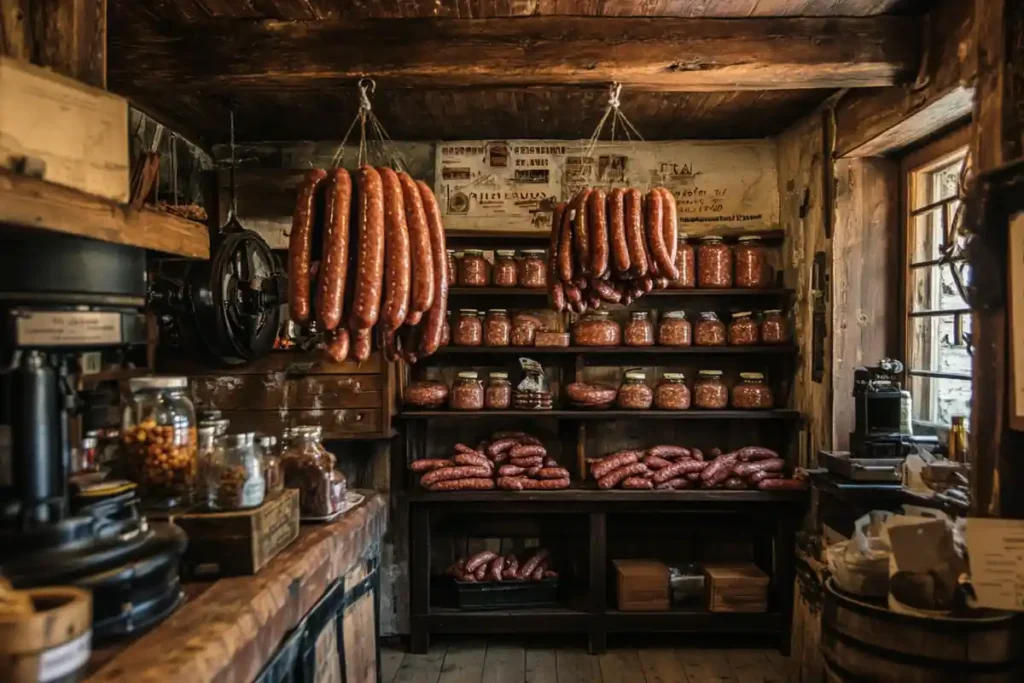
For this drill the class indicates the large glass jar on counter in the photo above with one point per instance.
(469, 330)
(273, 475)
(474, 271)
(774, 329)
(597, 329)
(714, 264)
(467, 392)
(743, 329)
(533, 269)
(498, 394)
(506, 270)
(639, 331)
(751, 263)
(709, 391)
(674, 329)
(634, 394)
(709, 330)
(236, 479)
(672, 392)
(752, 392)
(158, 435)
(497, 328)
(685, 262)
(309, 467)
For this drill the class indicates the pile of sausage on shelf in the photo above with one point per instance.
(382, 275)
(670, 467)
(512, 461)
(490, 566)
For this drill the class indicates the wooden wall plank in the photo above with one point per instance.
(68, 36)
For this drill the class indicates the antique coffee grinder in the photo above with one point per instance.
(878, 400)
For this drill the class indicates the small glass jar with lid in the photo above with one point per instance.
(743, 329)
(524, 329)
(774, 329)
(467, 392)
(498, 394)
(273, 475)
(469, 330)
(752, 392)
(597, 329)
(160, 440)
(453, 267)
(236, 481)
(634, 394)
(672, 392)
(506, 270)
(685, 261)
(474, 271)
(674, 329)
(709, 330)
(533, 269)
(639, 331)
(751, 263)
(709, 391)
(309, 467)
(714, 264)
(497, 328)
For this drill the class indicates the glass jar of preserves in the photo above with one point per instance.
(752, 392)
(714, 263)
(634, 394)
(506, 270)
(160, 441)
(473, 269)
(685, 265)
(533, 269)
(674, 329)
(709, 330)
(672, 392)
(498, 395)
(743, 329)
(774, 329)
(751, 263)
(524, 329)
(469, 330)
(309, 467)
(709, 391)
(639, 331)
(467, 392)
(497, 328)
(236, 480)
(453, 267)
(273, 475)
(597, 329)
(208, 454)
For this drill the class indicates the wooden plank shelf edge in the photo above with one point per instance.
(781, 349)
(525, 292)
(777, 414)
(593, 495)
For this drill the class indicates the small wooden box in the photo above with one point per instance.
(240, 543)
(80, 132)
(736, 587)
(643, 585)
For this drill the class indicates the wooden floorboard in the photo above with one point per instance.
(576, 666)
(390, 660)
(753, 666)
(463, 662)
(619, 666)
(422, 668)
(705, 666)
(541, 666)
(504, 664)
(661, 666)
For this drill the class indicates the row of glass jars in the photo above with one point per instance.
(716, 265)
(470, 393)
(470, 268)
(709, 392)
(496, 328)
(596, 328)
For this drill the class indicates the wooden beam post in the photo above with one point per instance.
(68, 36)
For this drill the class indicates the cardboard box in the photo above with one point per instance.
(643, 585)
(736, 587)
(79, 132)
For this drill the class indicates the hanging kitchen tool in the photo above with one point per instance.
(232, 224)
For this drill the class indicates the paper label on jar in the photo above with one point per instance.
(64, 659)
(253, 492)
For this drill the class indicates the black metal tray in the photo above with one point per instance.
(496, 595)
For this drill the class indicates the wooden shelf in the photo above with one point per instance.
(523, 292)
(614, 496)
(541, 239)
(780, 414)
(681, 620)
(540, 620)
(591, 351)
(33, 203)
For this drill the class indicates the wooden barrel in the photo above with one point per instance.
(866, 642)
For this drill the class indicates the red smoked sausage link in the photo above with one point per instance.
(300, 244)
(334, 255)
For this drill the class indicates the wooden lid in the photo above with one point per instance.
(736, 571)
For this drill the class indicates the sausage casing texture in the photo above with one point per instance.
(428, 464)
(614, 461)
(635, 241)
(750, 453)
(757, 477)
(461, 472)
(531, 461)
(472, 459)
(653, 462)
(466, 484)
(597, 223)
(696, 454)
(677, 469)
(735, 483)
(606, 291)
(496, 568)
(397, 257)
(422, 263)
(637, 484)
(521, 450)
(670, 224)
(334, 256)
(362, 346)
(300, 244)
(782, 485)
(617, 243)
(338, 345)
(718, 470)
(433, 327)
(616, 476)
(463, 448)
(745, 469)
(481, 573)
(673, 484)
(557, 297)
(545, 484)
(527, 568)
(581, 232)
(502, 445)
(511, 483)
(656, 246)
(474, 562)
(552, 473)
(369, 275)
(669, 452)
(511, 566)
(511, 471)
(565, 247)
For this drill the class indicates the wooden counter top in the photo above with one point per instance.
(228, 630)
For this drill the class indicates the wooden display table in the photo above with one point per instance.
(323, 584)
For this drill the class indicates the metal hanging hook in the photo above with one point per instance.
(367, 86)
(614, 91)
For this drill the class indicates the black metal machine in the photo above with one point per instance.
(878, 398)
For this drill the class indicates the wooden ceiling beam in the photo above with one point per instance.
(227, 56)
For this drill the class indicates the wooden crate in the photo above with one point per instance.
(79, 132)
(736, 587)
(240, 543)
(643, 585)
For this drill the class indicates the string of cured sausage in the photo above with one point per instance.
(611, 247)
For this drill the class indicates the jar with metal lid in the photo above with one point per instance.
(751, 263)
(474, 271)
(714, 263)
(497, 328)
(533, 269)
(207, 457)
(743, 329)
(634, 394)
(273, 475)
(236, 478)
(752, 392)
(639, 331)
(498, 395)
(506, 270)
(524, 329)
(709, 330)
(309, 468)
(674, 329)
(773, 328)
(709, 391)
(159, 439)
(685, 265)
(453, 267)
(597, 329)
(469, 330)
(672, 392)
(467, 392)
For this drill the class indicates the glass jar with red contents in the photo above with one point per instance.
(674, 329)
(774, 329)
(474, 271)
(743, 329)
(469, 330)
(709, 330)
(498, 393)
(709, 391)
(672, 392)
(497, 328)
(506, 270)
(453, 268)
(597, 329)
(714, 264)
(639, 331)
(752, 392)
(634, 394)
(533, 269)
(524, 329)
(467, 392)
(751, 263)
(685, 260)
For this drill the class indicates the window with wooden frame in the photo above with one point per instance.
(937, 324)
